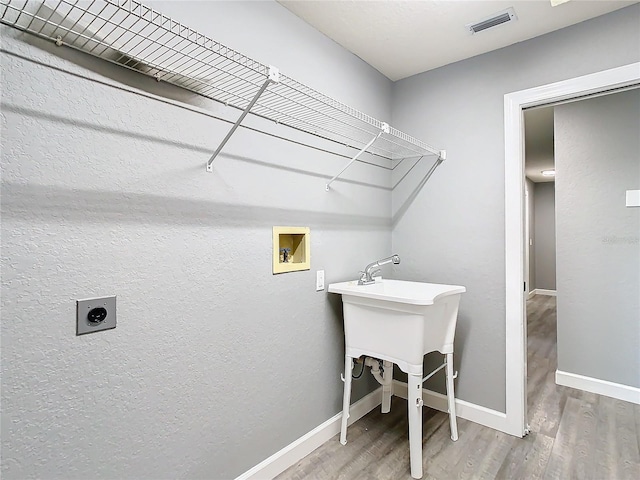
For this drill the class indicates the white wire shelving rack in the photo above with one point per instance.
(132, 35)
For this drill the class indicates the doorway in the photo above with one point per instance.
(514, 104)
(539, 171)
(540, 256)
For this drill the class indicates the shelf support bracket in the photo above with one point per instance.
(385, 129)
(442, 156)
(273, 77)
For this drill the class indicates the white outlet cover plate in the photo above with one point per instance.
(83, 307)
(633, 198)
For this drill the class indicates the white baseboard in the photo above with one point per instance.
(469, 411)
(542, 291)
(601, 387)
(531, 294)
(300, 448)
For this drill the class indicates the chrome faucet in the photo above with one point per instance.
(369, 272)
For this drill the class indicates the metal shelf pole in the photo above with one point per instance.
(274, 77)
(385, 129)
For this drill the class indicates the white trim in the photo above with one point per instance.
(300, 448)
(468, 411)
(542, 291)
(601, 387)
(527, 241)
(516, 397)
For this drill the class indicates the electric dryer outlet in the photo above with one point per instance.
(95, 314)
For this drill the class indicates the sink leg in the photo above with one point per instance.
(451, 398)
(414, 399)
(387, 388)
(346, 399)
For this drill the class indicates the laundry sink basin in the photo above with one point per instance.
(399, 320)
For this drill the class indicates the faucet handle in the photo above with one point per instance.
(363, 279)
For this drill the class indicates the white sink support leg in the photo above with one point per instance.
(346, 399)
(451, 397)
(414, 400)
(387, 387)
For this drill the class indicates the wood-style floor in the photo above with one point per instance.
(574, 434)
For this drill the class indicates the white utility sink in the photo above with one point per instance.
(403, 291)
(399, 322)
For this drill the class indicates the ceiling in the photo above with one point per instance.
(401, 38)
(538, 143)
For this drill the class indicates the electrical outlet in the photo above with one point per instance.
(95, 314)
(319, 280)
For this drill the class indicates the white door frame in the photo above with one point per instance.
(527, 242)
(516, 385)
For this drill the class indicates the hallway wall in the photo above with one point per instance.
(598, 257)
(545, 236)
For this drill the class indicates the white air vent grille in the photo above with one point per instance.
(508, 15)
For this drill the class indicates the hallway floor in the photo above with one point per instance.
(574, 434)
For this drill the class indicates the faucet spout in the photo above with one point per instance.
(369, 272)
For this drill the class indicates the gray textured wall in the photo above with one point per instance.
(453, 231)
(531, 189)
(598, 261)
(216, 363)
(545, 236)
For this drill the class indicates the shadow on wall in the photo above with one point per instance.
(206, 152)
(100, 65)
(334, 303)
(136, 81)
(397, 216)
(205, 107)
(77, 205)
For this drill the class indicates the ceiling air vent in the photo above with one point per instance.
(508, 15)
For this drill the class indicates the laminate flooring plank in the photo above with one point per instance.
(605, 462)
(571, 454)
(377, 447)
(392, 450)
(527, 458)
(584, 396)
(545, 399)
(392, 463)
(332, 457)
(485, 456)
(628, 448)
(545, 413)
(443, 464)
(636, 410)
(434, 445)
(537, 371)
(395, 460)
(541, 327)
(364, 450)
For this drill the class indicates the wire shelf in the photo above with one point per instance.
(137, 37)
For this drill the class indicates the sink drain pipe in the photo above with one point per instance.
(374, 363)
